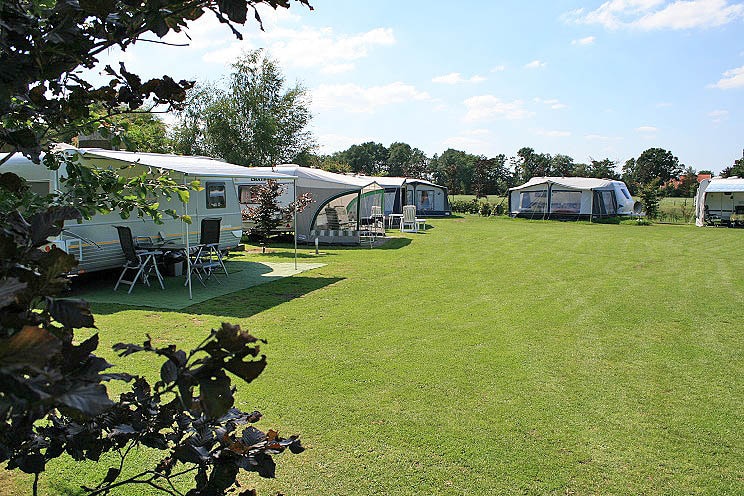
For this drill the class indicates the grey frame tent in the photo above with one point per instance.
(718, 199)
(341, 203)
(571, 198)
(431, 200)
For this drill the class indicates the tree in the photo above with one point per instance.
(562, 165)
(649, 195)
(603, 169)
(268, 215)
(654, 163)
(454, 168)
(490, 176)
(369, 158)
(255, 121)
(143, 132)
(52, 397)
(735, 170)
(405, 161)
(529, 164)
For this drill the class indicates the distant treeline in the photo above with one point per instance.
(466, 173)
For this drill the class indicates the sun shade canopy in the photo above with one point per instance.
(185, 164)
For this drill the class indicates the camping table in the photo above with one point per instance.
(392, 217)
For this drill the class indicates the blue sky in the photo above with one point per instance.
(584, 78)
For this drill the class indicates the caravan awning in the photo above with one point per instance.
(185, 164)
(730, 185)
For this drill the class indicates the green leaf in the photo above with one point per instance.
(183, 195)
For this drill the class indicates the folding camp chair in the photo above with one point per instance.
(408, 223)
(142, 261)
(207, 258)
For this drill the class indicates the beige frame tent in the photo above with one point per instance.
(571, 198)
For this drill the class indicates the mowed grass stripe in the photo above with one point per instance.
(492, 356)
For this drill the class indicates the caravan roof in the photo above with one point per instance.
(725, 185)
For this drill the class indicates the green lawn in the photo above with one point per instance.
(490, 356)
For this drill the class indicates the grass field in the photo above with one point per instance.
(488, 356)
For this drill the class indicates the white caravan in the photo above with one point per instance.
(720, 201)
(95, 242)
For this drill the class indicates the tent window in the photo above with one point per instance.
(565, 202)
(39, 187)
(625, 192)
(425, 199)
(533, 201)
(216, 195)
(248, 193)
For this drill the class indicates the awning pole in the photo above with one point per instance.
(188, 251)
(294, 187)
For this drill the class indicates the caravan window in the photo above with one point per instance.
(216, 195)
(248, 193)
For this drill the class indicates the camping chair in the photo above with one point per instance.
(377, 220)
(207, 257)
(142, 261)
(408, 222)
(344, 223)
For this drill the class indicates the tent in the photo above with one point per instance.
(341, 207)
(571, 198)
(720, 201)
(431, 199)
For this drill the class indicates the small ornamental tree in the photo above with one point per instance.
(649, 195)
(268, 215)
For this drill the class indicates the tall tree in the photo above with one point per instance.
(654, 163)
(369, 158)
(454, 168)
(562, 165)
(403, 160)
(735, 170)
(255, 121)
(603, 169)
(530, 164)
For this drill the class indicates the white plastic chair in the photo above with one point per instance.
(408, 223)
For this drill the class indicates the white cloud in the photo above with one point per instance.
(552, 103)
(733, 78)
(647, 129)
(535, 64)
(659, 14)
(477, 132)
(308, 47)
(358, 99)
(499, 68)
(553, 134)
(488, 107)
(600, 137)
(456, 77)
(718, 115)
(589, 40)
